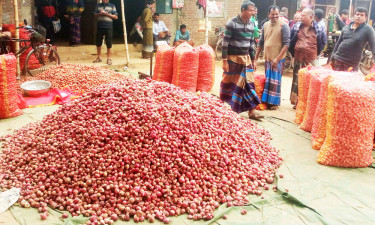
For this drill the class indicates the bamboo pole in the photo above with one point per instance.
(17, 36)
(125, 34)
(206, 24)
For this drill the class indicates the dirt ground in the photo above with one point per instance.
(326, 195)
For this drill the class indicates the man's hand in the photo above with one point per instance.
(225, 65)
(331, 63)
(274, 63)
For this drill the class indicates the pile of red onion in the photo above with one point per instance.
(79, 78)
(139, 149)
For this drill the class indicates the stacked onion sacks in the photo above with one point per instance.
(139, 149)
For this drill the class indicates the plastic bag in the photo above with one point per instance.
(316, 79)
(301, 92)
(56, 25)
(350, 124)
(206, 69)
(163, 70)
(8, 198)
(259, 82)
(185, 67)
(8, 87)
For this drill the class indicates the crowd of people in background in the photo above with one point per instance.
(304, 37)
(155, 32)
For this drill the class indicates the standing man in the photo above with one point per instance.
(275, 41)
(296, 18)
(160, 31)
(237, 86)
(48, 11)
(344, 16)
(307, 41)
(74, 9)
(254, 20)
(284, 15)
(319, 18)
(353, 38)
(105, 13)
(147, 25)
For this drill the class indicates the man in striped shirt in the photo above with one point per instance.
(237, 86)
(106, 13)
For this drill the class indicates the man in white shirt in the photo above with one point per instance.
(161, 32)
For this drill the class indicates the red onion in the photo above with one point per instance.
(140, 149)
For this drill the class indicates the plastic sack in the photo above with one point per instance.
(12, 29)
(185, 67)
(350, 124)
(318, 131)
(8, 198)
(371, 77)
(302, 92)
(259, 82)
(8, 87)
(316, 79)
(163, 70)
(206, 69)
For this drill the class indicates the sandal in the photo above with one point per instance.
(255, 116)
(274, 107)
(97, 60)
(295, 106)
(109, 61)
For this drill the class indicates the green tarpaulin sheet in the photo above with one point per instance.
(309, 193)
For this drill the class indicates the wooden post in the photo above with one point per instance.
(206, 24)
(125, 34)
(16, 22)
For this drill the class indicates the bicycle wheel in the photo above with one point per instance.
(41, 59)
(218, 49)
(288, 62)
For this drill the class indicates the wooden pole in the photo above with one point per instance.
(369, 13)
(206, 24)
(125, 34)
(17, 36)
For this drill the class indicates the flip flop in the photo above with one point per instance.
(274, 107)
(97, 60)
(256, 116)
(109, 61)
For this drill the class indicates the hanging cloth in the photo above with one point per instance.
(202, 4)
